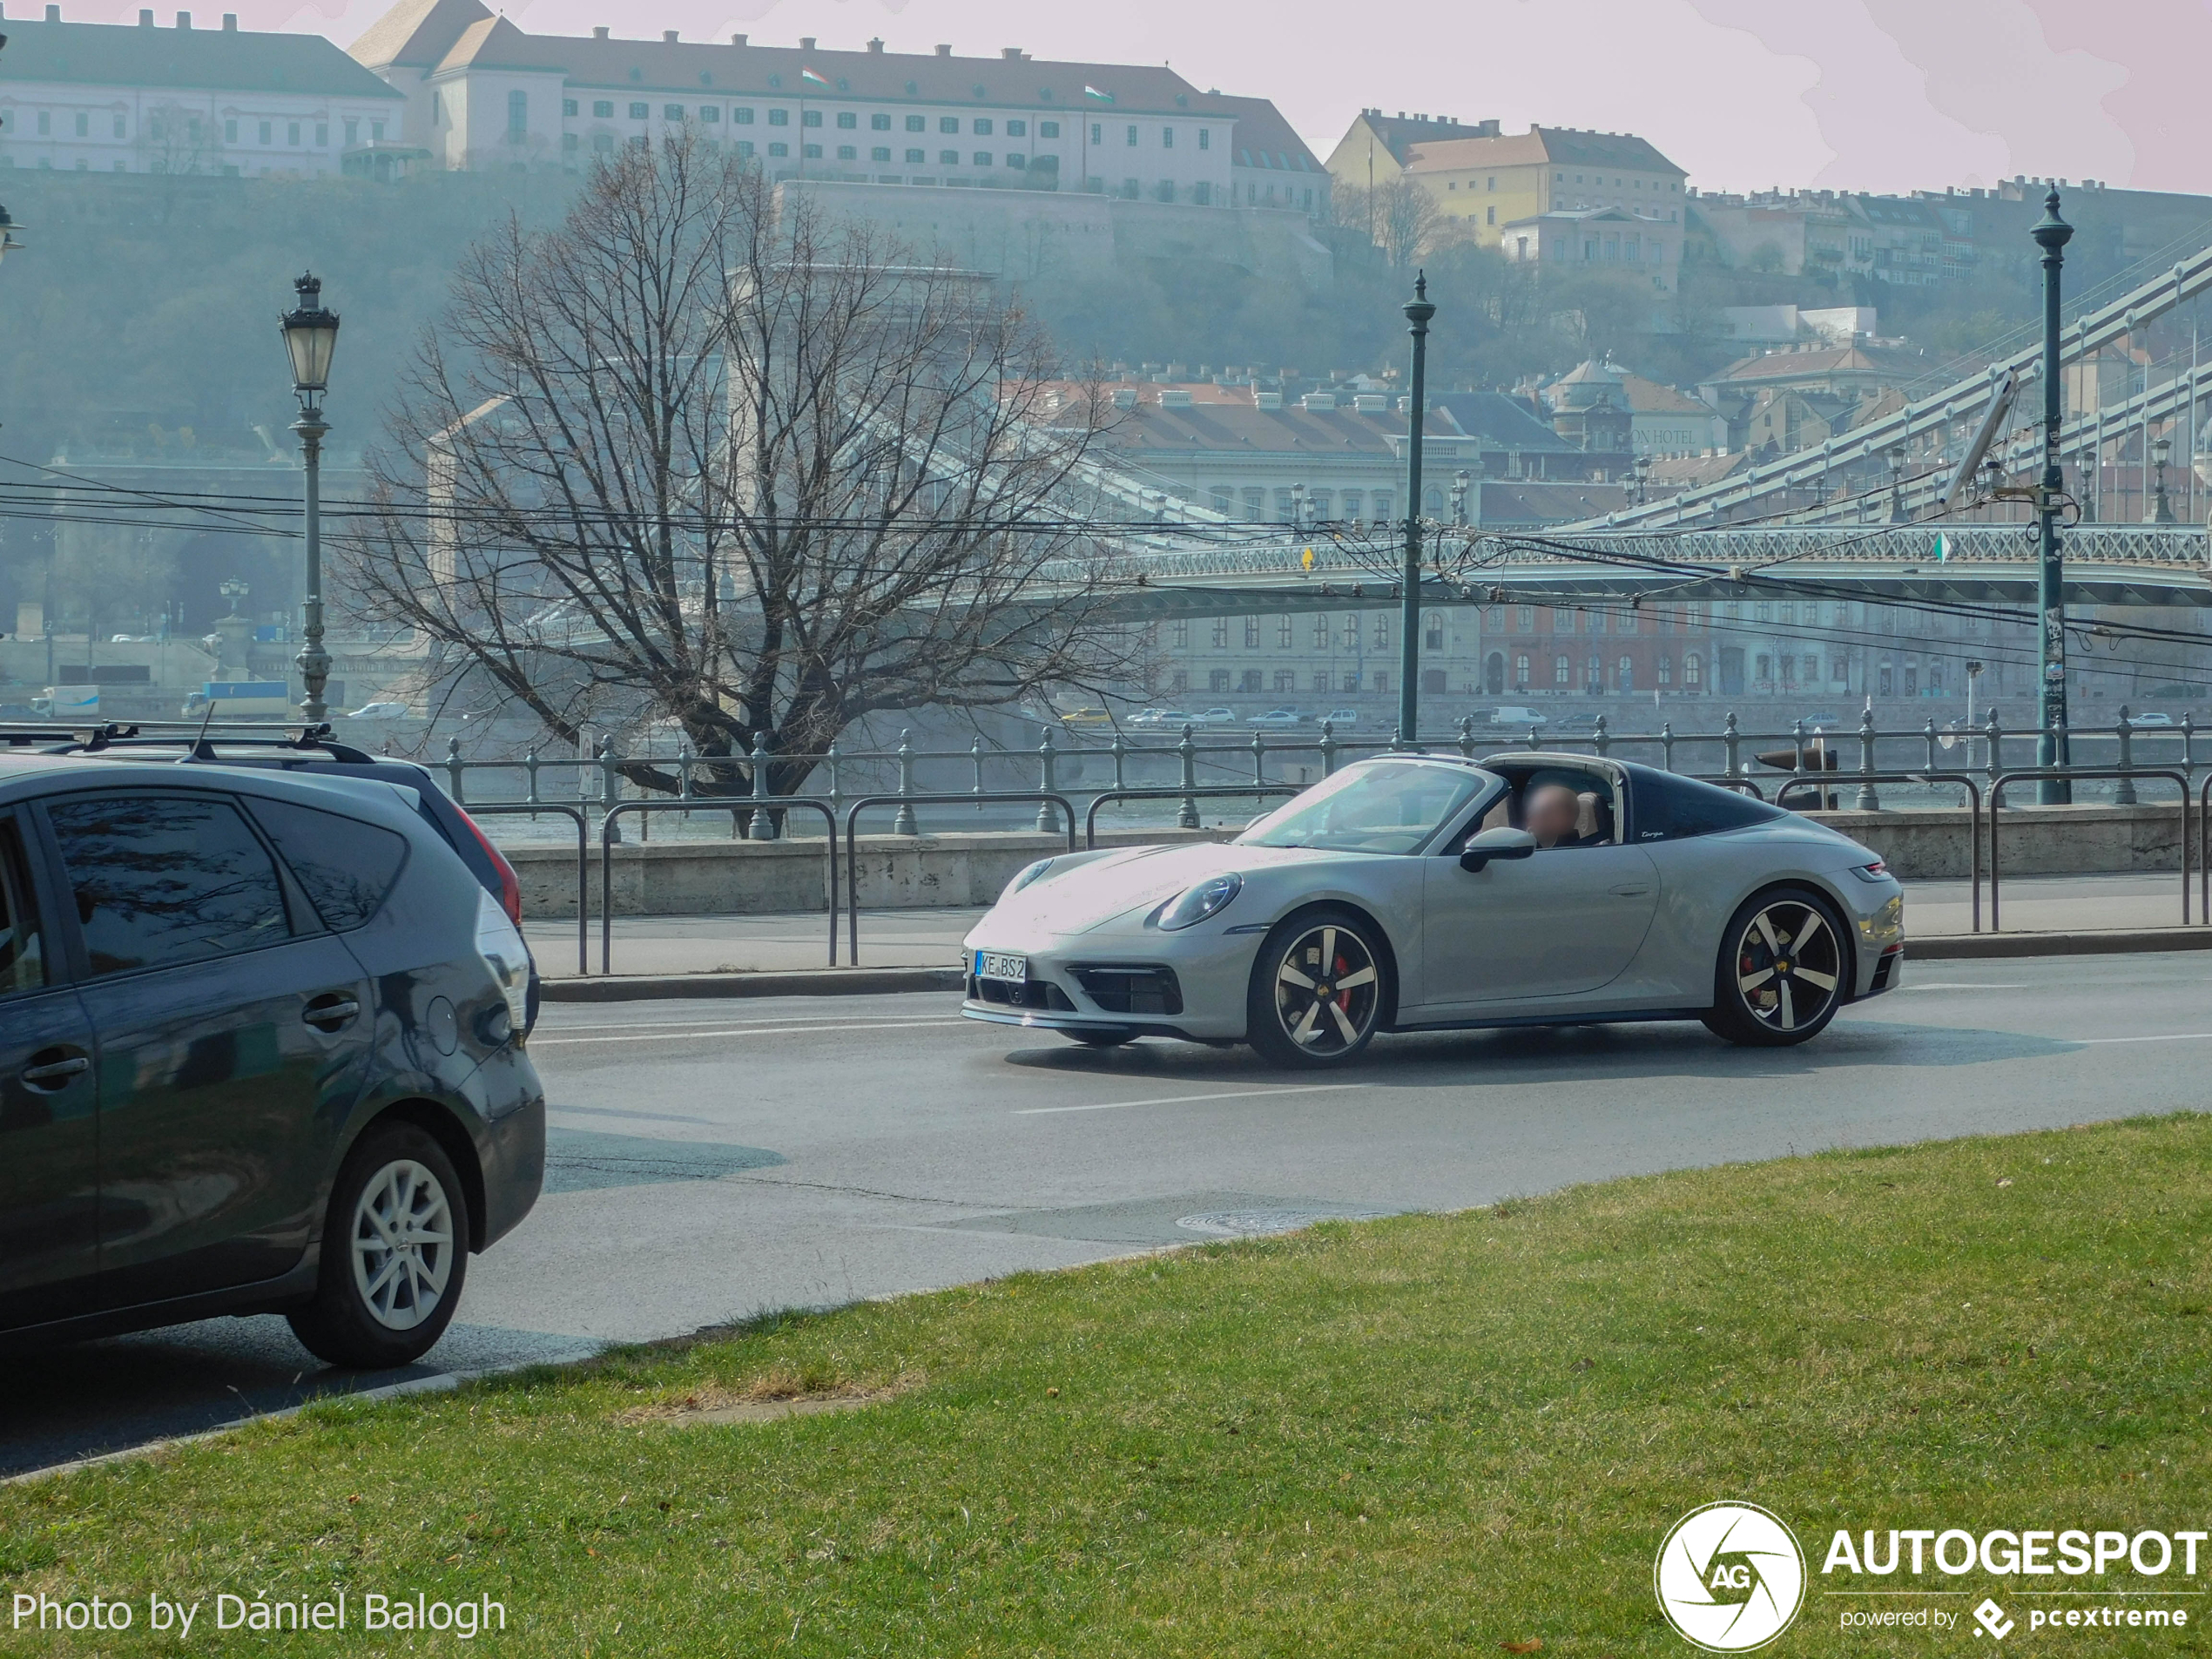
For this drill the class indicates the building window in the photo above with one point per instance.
(1693, 670)
(1167, 137)
(1131, 143)
(1221, 633)
(1249, 680)
(1433, 632)
(1520, 672)
(741, 115)
(1205, 137)
(1666, 669)
(1320, 633)
(948, 124)
(1251, 633)
(568, 141)
(914, 158)
(602, 109)
(518, 115)
(948, 158)
(878, 123)
(810, 151)
(1017, 129)
(1594, 674)
(376, 133)
(1255, 503)
(1179, 681)
(264, 131)
(810, 119)
(1351, 680)
(1182, 632)
(568, 107)
(982, 128)
(640, 110)
(1285, 679)
(1352, 499)
(84, 127)
(352, 133)
(1381, 631)
(709, 112)
(1218, 680)
(779, 118)
(1381, 681)
(917, 124)
(846, 120)
(744, 149)
(982, 158)
(1560, 671)
(1321, 679)
(1624, 674)
(779, 149)
(1048, 129)
(882, 152)
(669, 111)
(1014, 159)
(230, 133)
(1097, 133)
(1282, 632)
(46, 124)
(847, 153)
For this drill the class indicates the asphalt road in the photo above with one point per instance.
(711, 1160)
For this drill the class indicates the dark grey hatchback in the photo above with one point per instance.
(261, 1049)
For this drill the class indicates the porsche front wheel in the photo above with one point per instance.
(1782, 970)
(1318, 988)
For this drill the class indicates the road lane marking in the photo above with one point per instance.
(752, 1031)
(1184, 1100)
(696, 1024)
(2164, 1036)
(1959, 985)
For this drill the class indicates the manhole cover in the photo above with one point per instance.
(1258, 1223)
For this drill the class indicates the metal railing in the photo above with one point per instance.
(1045, 798)
(1826, 782)
(1192, 795)
(609, 830)
(583, 866)
(2075, 774)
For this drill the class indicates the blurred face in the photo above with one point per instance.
(1552, 811)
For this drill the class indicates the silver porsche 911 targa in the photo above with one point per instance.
(1417, 893)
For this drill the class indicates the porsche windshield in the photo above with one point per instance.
(1381, 806)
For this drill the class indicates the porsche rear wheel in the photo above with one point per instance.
(1318, 988)
(1781, 972)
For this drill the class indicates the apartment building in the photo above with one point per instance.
(108, 98)
(481, 94)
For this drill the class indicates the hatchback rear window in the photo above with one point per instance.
(345, 866)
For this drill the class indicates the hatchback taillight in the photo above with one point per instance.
(511, 886)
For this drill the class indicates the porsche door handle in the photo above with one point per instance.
(332, 1012)
(1633, 889)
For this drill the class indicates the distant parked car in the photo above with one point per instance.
(1084, 717)
(1568, 723)
(1342, 718)
(1278, 718)
(1826, 720)
(1214, 717)
(1513, 715)
(2148, 719)
(380, 712)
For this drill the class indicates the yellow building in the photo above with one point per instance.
(1483, 180)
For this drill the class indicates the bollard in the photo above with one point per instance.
(1259, 757)
(1732, 740)
(836, 789)
(1867, 801)
(453, 770)
(1601, 738)
(530, 767)
(904, 823)
(2188, 749)
(1929, 737)
(1467, 737)
(1188, 818)
(1047, 815)
(1328, 747)
(1121, 755)
(975, 760)
(764, 827)
(1993, 737)
(1666, 744)
(2124, 792)
(1797, 748)
(1397, 739)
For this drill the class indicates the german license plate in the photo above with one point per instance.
(1014, 970)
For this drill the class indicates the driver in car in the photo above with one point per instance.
(1553, 817)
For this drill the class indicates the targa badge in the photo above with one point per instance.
(1729, 1577)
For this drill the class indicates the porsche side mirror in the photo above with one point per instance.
(1496, 843)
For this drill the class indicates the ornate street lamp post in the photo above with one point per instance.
(2052, 234)
(1419, 310)
(2161, 508)
(310, 337)
(1898, 515)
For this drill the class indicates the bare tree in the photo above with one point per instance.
(706, 454)
(1400, 217)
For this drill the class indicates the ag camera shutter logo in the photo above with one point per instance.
(1729, 1577)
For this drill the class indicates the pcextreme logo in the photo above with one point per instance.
(1729, 1577)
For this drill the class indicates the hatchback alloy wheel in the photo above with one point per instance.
(402, 1245)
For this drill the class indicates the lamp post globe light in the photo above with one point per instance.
(310, 338)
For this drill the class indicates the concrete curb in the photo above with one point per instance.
(812, 981)
(1962, 947)
(874, 981)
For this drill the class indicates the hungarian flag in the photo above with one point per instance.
(1103, 97)
(813, 79)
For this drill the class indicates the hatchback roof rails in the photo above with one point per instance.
(71, 737)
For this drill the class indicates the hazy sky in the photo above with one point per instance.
(1863, 94)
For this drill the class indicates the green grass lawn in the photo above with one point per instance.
(1429, 1435)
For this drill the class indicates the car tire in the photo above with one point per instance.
(1782, 970)
(1320, 986)
(376, 1307)
(1103, 1039)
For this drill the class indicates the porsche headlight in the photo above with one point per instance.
(1026, 875)
(1195, 904)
